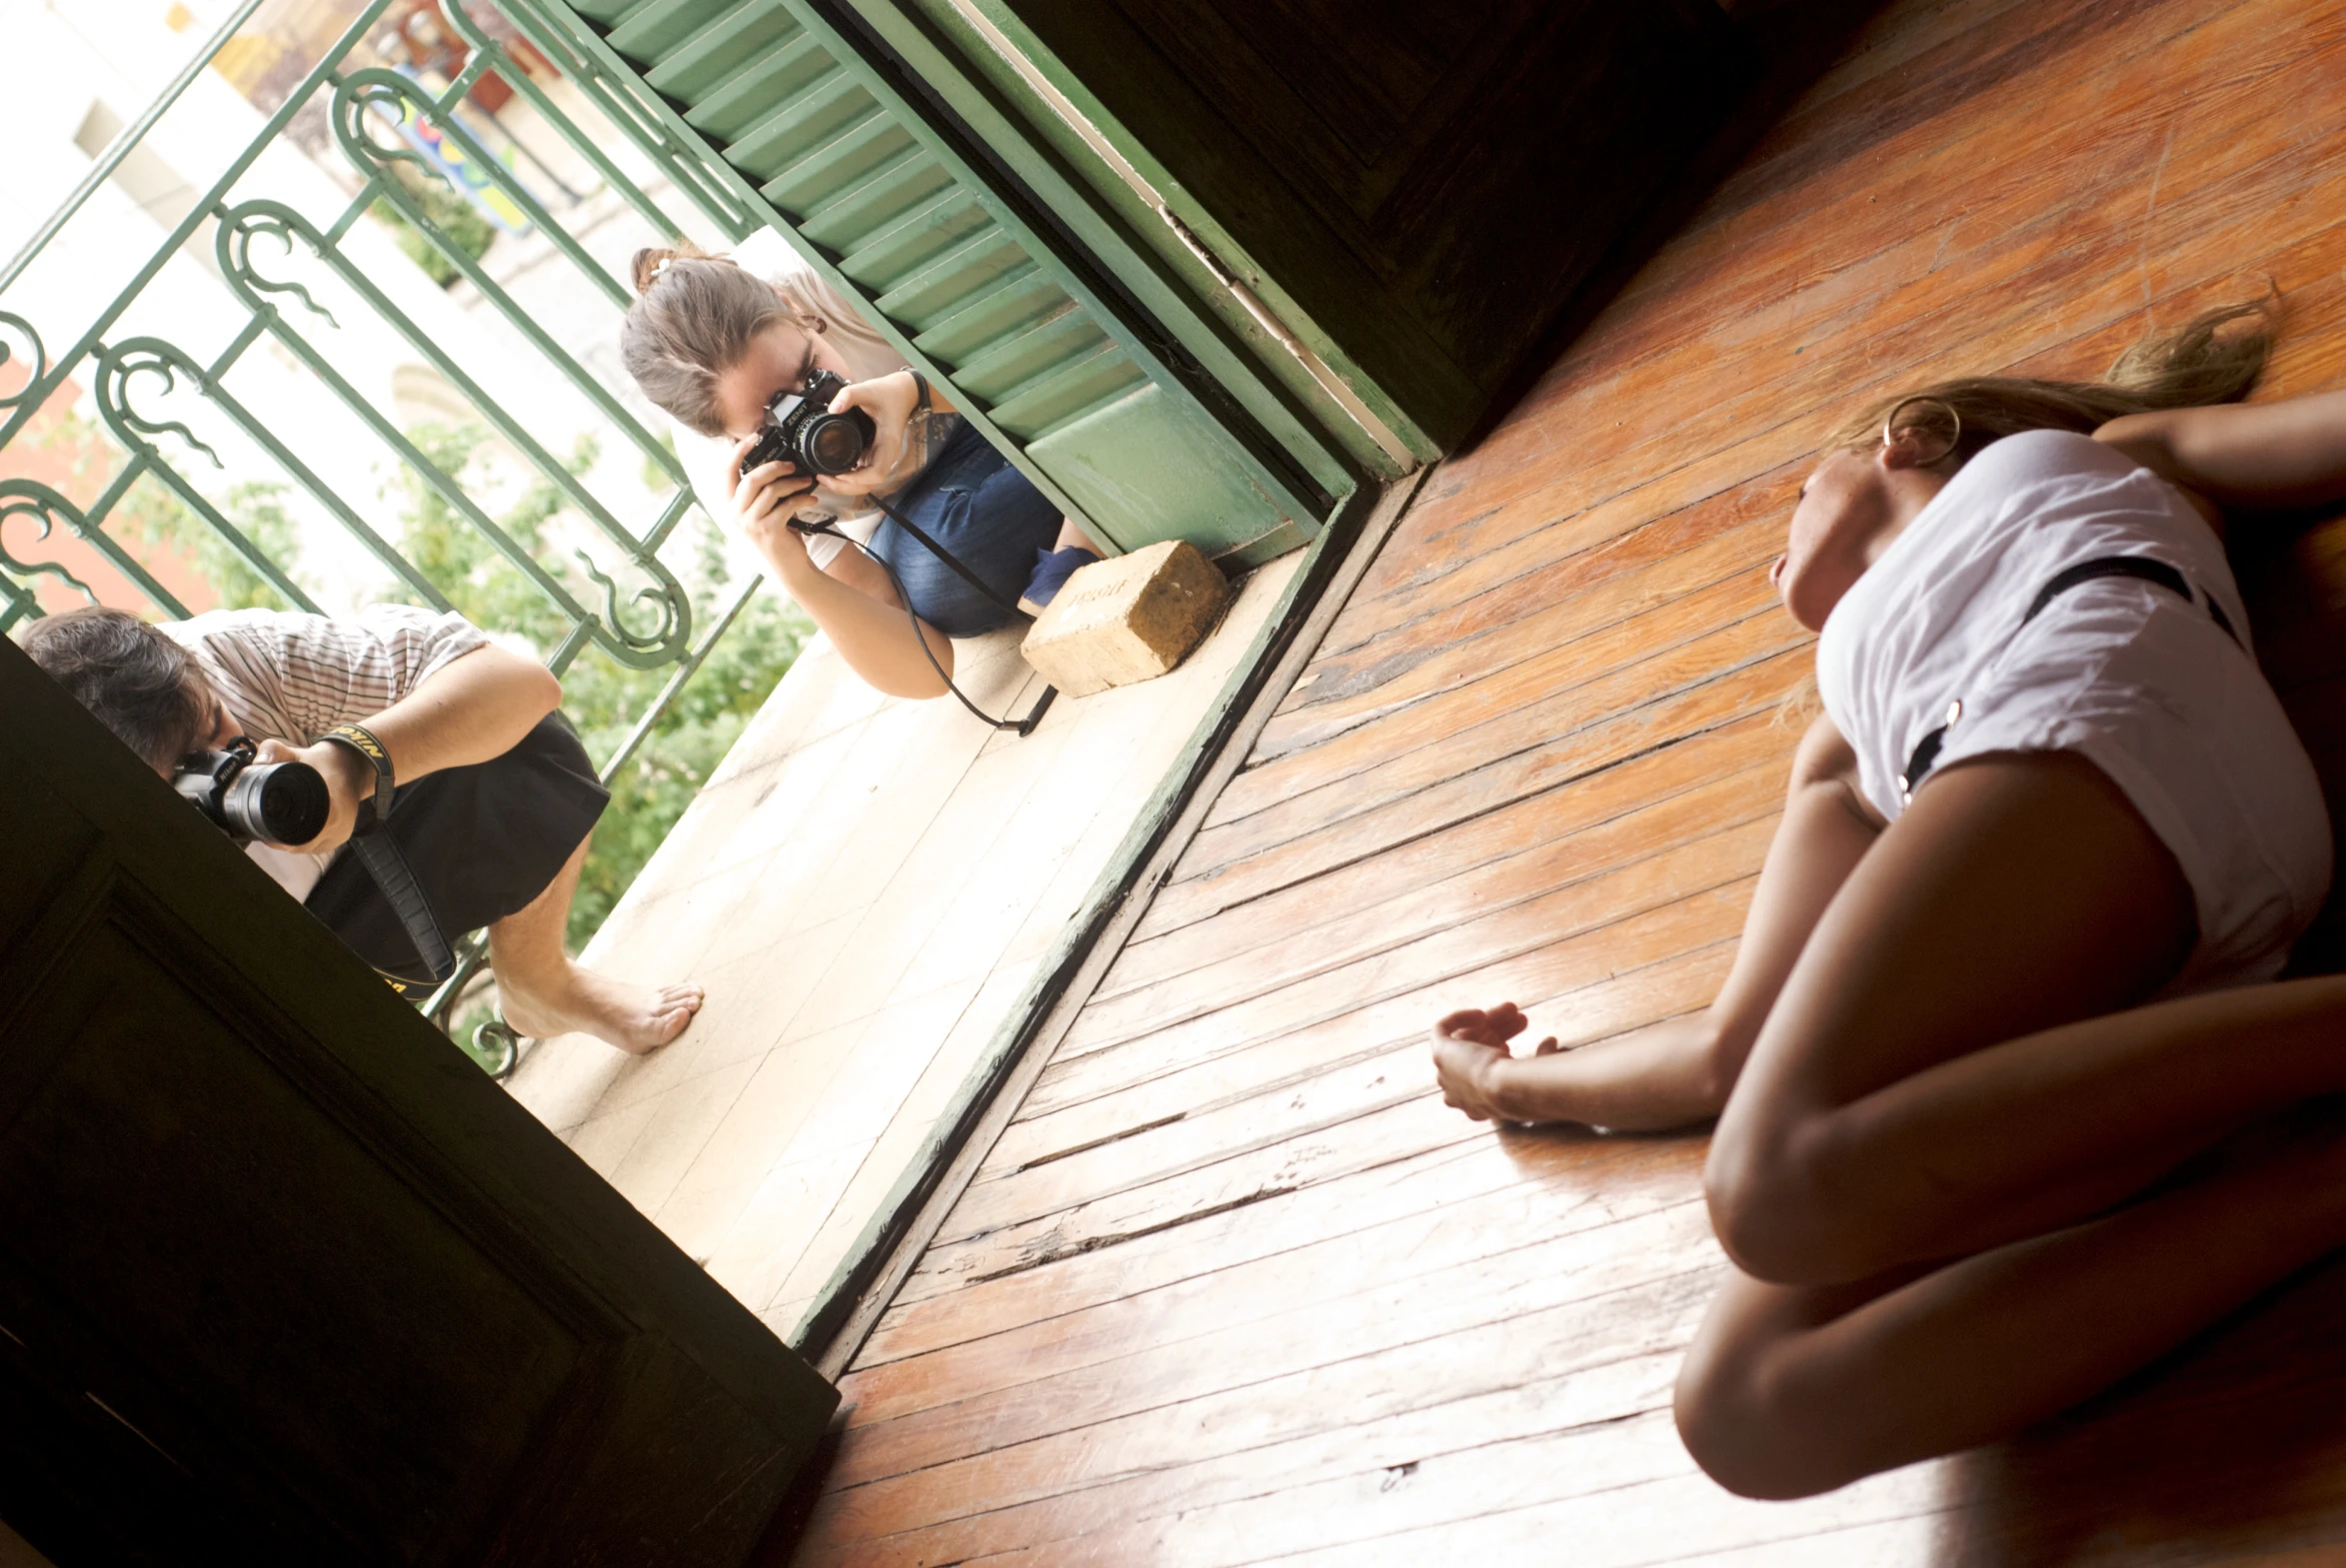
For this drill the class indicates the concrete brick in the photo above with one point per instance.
(1129, 619)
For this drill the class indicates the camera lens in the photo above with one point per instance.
(833, 444)
(284, 803)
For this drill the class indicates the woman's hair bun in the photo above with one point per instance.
(652, 261)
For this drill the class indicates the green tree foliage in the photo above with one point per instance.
(151, 514)
(450, 213)
(254, 509)
(601, 697)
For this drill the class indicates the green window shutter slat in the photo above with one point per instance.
(1069, 393)
(649, 30)
(1017, 360)
(821, 143)
(841, 163)
(895, 188)
(948, 283)
(743, 99)
(884, 259)
(992, 319)
(827, 109)
(716, 52)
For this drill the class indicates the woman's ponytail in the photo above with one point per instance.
(650, 262)
(694, 319)
(2198, 365)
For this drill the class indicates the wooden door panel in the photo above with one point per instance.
(1430, 184)
(282, 1275)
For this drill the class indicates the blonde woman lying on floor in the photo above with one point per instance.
(2010, 1101)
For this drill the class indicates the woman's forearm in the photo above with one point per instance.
(2268, 456)
(874, 637)
(473, 708)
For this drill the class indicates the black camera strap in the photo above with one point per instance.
(1020, 726)
(944, 555)
(378, 852)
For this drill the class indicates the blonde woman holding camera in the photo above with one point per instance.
(726, 345)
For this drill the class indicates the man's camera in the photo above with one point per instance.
(276, 803)
(801, 430)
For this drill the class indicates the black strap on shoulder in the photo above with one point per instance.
(1020, 728)
(2142, 568)
(2139, 567)
(827, 526)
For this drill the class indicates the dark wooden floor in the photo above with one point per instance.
(1235, 1287)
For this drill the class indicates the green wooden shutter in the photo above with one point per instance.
(1064, 375)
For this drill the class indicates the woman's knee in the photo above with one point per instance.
(1781, 1193)
(1744, 1433)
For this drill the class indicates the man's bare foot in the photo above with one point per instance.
(636, 1018)
(1474, 1064)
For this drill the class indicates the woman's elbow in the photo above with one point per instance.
(547, 694)
(2149, 439)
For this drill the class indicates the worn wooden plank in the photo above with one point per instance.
(1543, 764)
(1612, 890)
(1461, 851)
(1537, 742)
(1258, 1174)
(940, 1308)
(1619, 1326)
(1617, 1180)
(1074, 1523)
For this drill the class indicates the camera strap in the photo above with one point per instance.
(378, 852)
(1018, 726)
(945, 556)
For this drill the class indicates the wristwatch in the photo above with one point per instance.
(359, 738)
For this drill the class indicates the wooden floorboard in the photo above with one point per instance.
(1232, 1287)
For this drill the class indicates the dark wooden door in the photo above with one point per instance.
(283, 1276)
(1431, 180)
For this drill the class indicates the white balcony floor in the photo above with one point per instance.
(866, 887)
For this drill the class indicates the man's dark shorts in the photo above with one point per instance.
(483, 842)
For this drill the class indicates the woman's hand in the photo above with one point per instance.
(763, 501)
(1472, 1060)
(892, 400)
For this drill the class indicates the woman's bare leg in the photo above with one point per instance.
(542, 993)
(1791, 1390)
(1951, 1073)
(2018, 895)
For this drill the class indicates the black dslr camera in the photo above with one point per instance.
(276, 803)
(801, 430)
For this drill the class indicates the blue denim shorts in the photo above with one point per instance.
(970, 500)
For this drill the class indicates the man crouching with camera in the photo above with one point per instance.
(425, 734)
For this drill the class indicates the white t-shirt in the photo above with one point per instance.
(2139, 681)
(286, 675)
(1922, 627)
(868, 355)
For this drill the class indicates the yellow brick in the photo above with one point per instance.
(1129, 619)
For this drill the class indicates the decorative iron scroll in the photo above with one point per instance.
(274, 259)
(170, 415)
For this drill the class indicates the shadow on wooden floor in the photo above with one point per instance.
(2234, 1446)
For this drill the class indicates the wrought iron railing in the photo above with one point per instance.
(167, 407)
